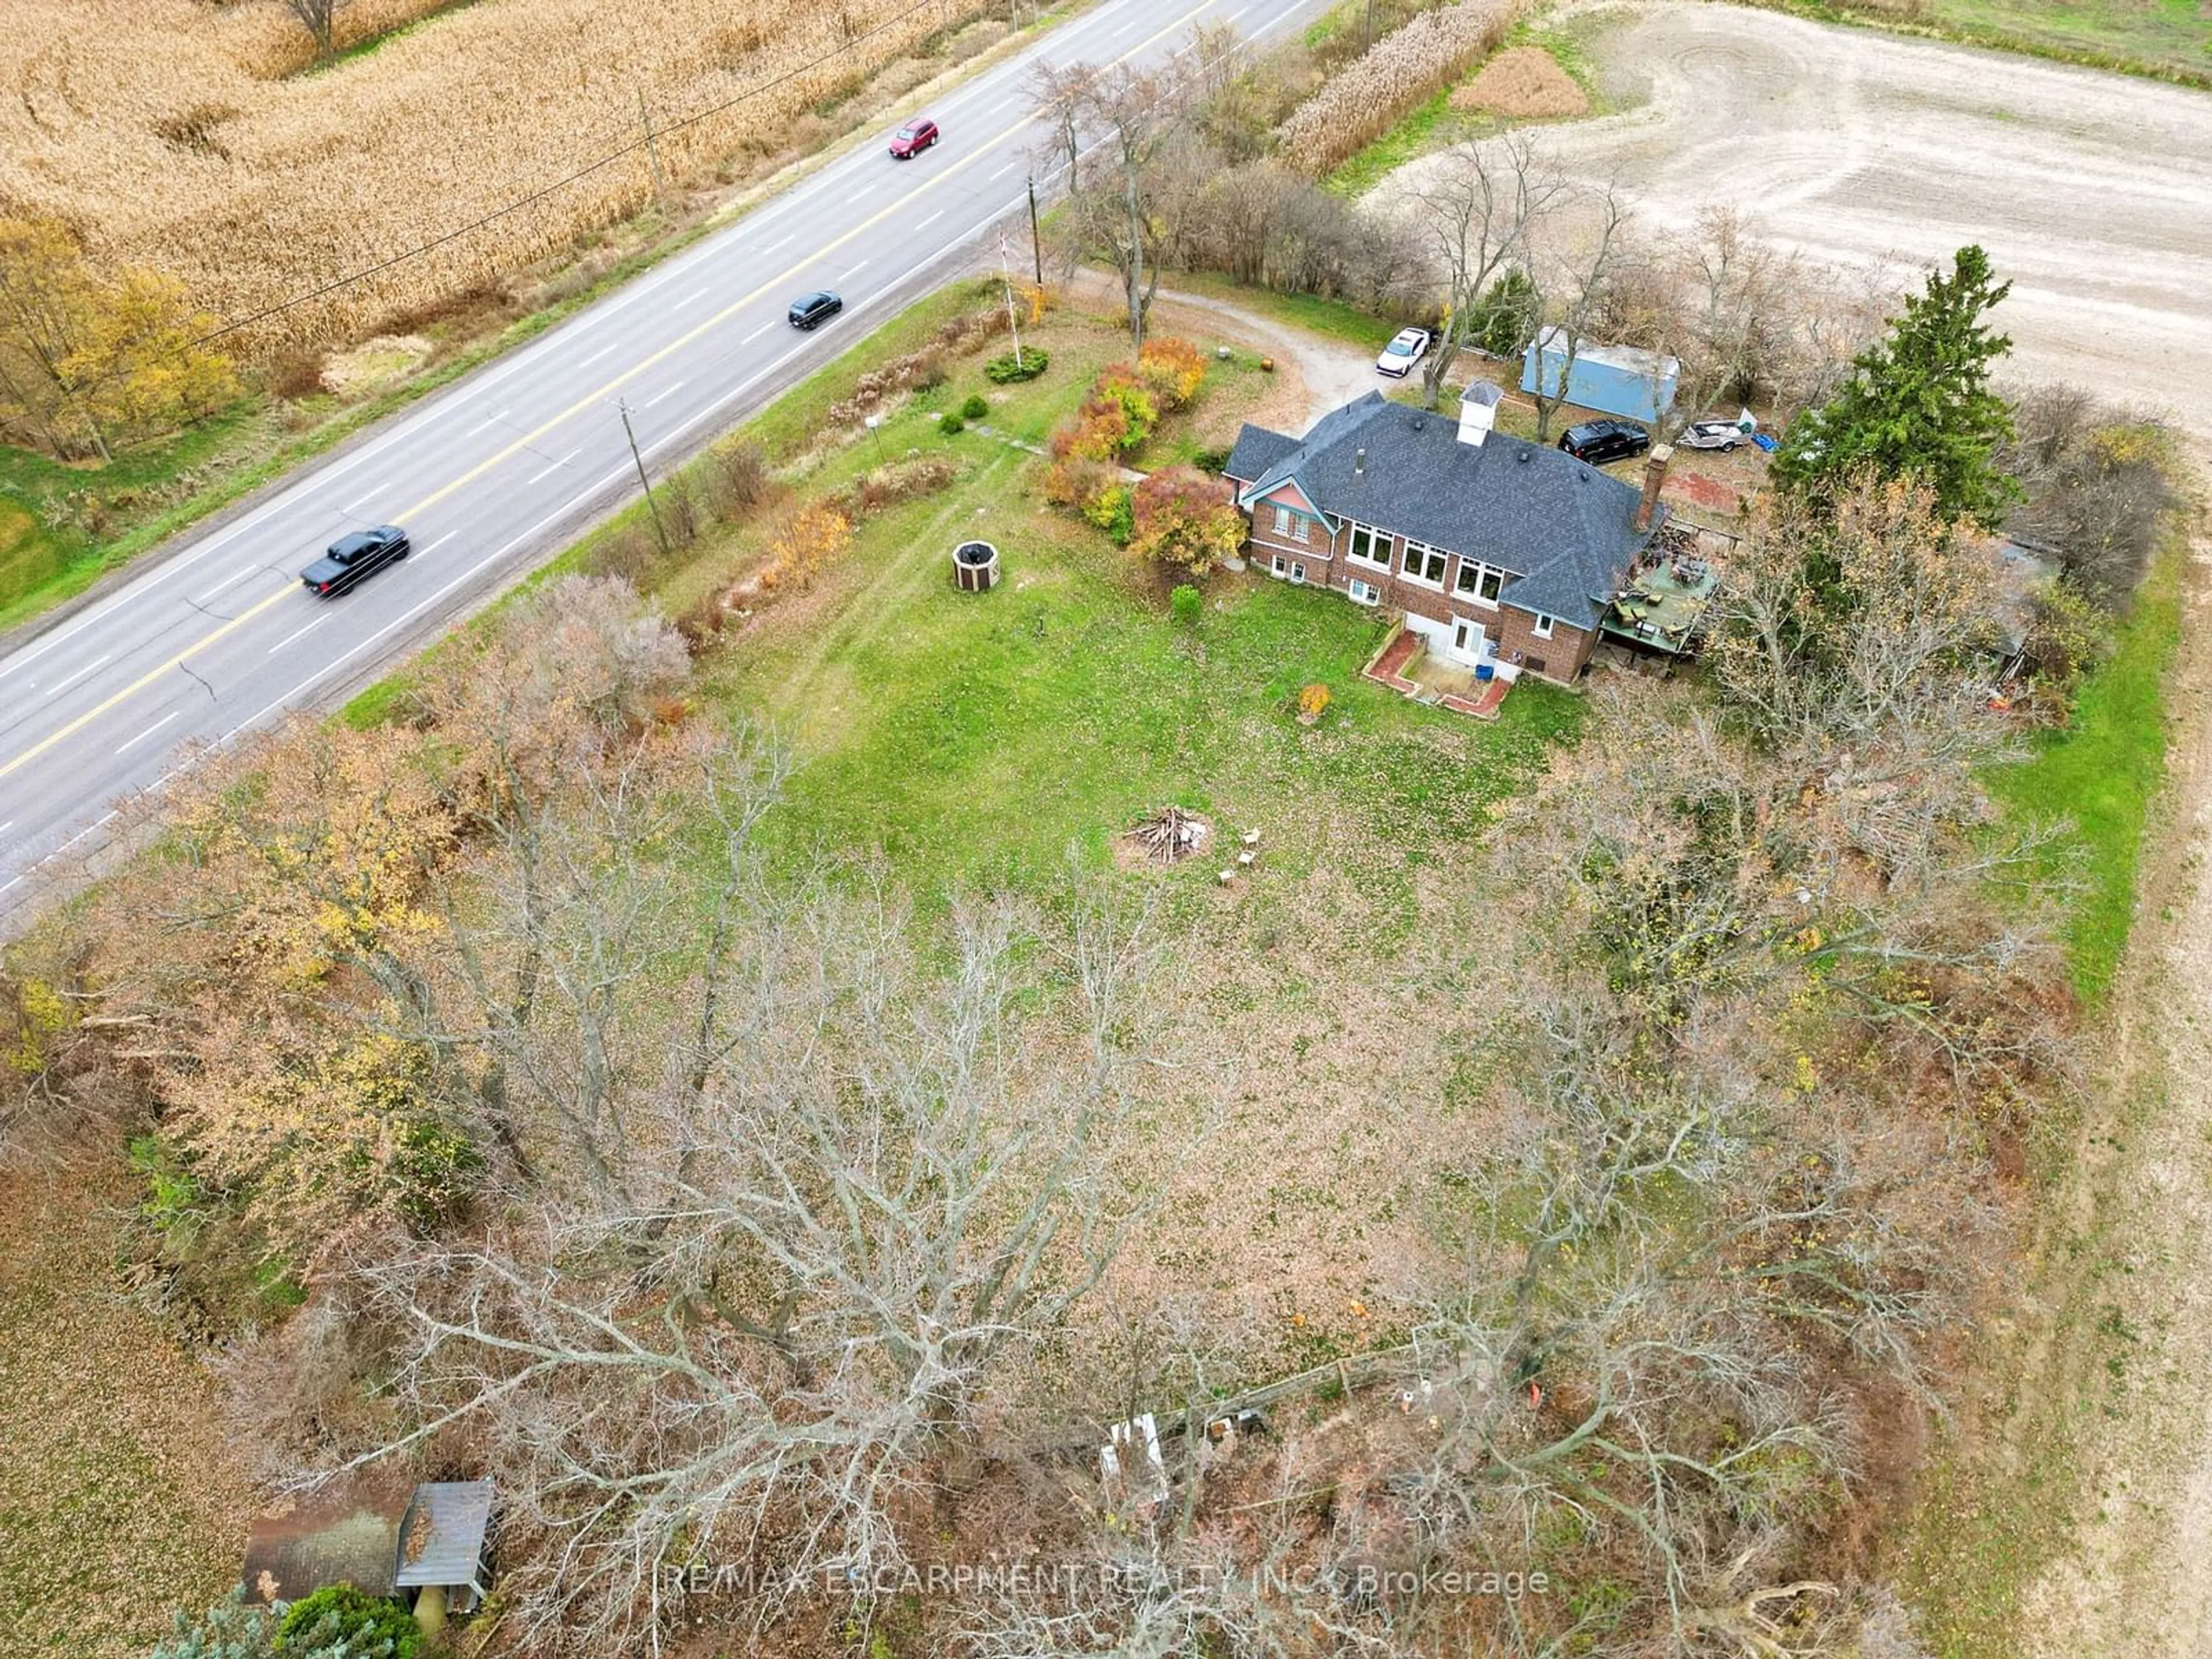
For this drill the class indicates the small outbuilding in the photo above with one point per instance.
(1623, 380)
(425, 1545)
(445, 1544)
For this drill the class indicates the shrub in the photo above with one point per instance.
(1110, 510)
(338, 1619)
(738, 475)
(1313, 700)
(1172, 369)
(1186, 519)
(296, 371)
(228, 1630)
(974, 407)
(1356, 107)
(1213, 460)
(1120, 384)
(1184, 604)
(1099, 433)
(1005, 371)
(816, 535)
(1076, 481)
(950, 424)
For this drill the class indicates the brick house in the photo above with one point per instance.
(1495, 549)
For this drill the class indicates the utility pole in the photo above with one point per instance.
(652, 149)
(651, 505)
(1036, 248)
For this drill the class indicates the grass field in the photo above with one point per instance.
(2100, 775)
(2165, 39)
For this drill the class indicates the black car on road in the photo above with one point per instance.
(1600, 442)
(354, 558)
(811, 310)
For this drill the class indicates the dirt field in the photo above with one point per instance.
(2093, 193)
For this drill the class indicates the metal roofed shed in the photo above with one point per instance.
(1624, 380)
(444, 1540)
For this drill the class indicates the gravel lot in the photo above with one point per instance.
(2093, 193)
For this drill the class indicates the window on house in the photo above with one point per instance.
(1369, 546)
(1480, 582)
(1363, 592)
(1426, 564)
(1297, 572)
(1282, 565)
(1542, 630)
(1301, 526)
(1282, 520)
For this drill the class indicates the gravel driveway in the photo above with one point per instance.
(2093, 193)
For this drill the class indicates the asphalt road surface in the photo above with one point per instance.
(494, 474)
(2092, 192)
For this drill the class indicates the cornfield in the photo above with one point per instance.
(176, 135)
(1375, 92)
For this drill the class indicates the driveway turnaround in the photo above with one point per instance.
(495, 473)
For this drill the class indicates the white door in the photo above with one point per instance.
(1467, 639)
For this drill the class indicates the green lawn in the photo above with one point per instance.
(61, 527)
(977, 738)
(2099, 776)
(2161, 35)
(2170, 40)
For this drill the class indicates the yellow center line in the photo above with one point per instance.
(972, 159)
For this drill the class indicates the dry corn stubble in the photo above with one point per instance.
(163, 132)
(1374, 91)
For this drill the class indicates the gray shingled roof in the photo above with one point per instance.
(1567, 530)
(1257, 449)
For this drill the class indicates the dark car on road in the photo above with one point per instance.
(915, 136)
(1600, 442)
(355, 558)
(812, 310)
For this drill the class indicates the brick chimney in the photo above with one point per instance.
(1654, 477)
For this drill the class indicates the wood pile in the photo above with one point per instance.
(1169, 835)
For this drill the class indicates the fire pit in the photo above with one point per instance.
(974, 567)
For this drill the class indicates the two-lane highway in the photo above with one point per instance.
(492, 474)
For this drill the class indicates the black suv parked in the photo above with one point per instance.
(811, 310)
(1600, 442)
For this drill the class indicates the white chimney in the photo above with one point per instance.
(1477, 412)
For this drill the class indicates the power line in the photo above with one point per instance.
(558, 185)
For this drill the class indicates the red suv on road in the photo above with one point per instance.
(915, 136)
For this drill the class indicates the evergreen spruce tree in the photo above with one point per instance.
(1918, 403)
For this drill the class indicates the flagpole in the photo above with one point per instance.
(1006, 273)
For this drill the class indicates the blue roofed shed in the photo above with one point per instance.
(1638, 385)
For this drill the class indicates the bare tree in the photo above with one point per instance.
(856, 1194)
(1476, 213)
(1572, 279)
(1129, 116)
(319, 18)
